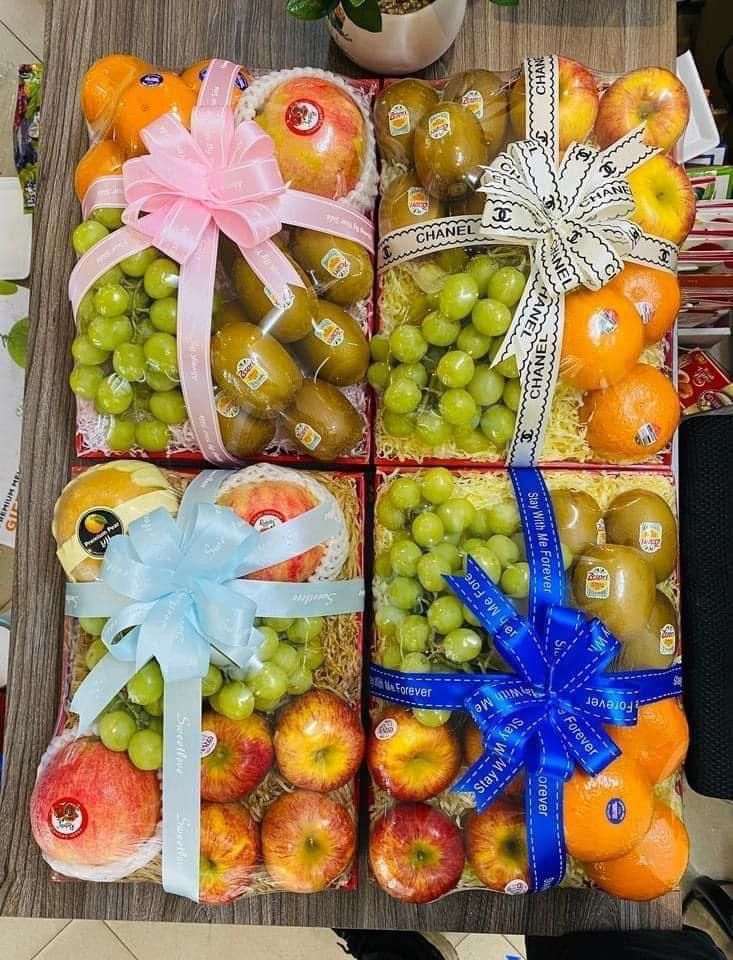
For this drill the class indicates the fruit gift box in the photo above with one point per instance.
(527, 287)
(526, 730)
(223, 291)
(209, 733)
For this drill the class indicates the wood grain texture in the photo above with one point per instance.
(612, 35)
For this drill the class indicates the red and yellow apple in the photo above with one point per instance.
(473, 750)
(319, 134)
(578, 103)
(91, 806)
(409, 760)
(308, 840)
(665, 201)
(241, 756)
(416, 852)
(651, 96)
(496, 845)
(319, 741)
(229, 851)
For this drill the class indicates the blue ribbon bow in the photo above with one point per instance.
(548, 717)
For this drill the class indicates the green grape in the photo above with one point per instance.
(156, 724)
(481, 268)
(114, 395)
(506, 285)
(388, 514)
(146, 686)
(111, 300)
(85, 311)
(398, 424)
(448, 552)
(140, 302)
(85, 353)
(407, 344)
(472, 442)
(387, 618)
(455, 369)
(479, 526)
(164, 314)
(487, 560)
(404, 557)
(141, 394)
(437, 485)
(431, 568)
(491, 317)
(515, 580)
(268, 682)
(431, 718)
(402, 396)
(452, 261)
(473, 342)
(415, 663)
(233, 700)
(469, 544)
(161, 352)
(504, 548)
(110, 217)
(377, 374)
(415, 372)
(399, 535)
(456, 514)
(504, 517)
(120, 435)
(300, 681)
(470, 618)
(269, 642)
(84, 381)
(445, 614)
(286, 657)
(383, 565)
(95, 651)
(431, 429)
(137, 263)
(267, 704)
(128, 361)
(438, 330)
(486, 385)
(391, 658)
(86, 235)
(169, 407)
(151, 435)
(510, 396)
(413, 634)
(107, 333)
(379, 348)
(518, 539)
(404, 492)
(457, 407)
(113, 275)
(313, 654)
(461, 430)
(567, 556)
(427, 529)
(457, 296)
(404, 592)
(145, 750)
(155, 709)
(280, 624)
(116, 729)
(462, 645)
(497, 423)
(157, 381)
(161, 278)
(305, 629)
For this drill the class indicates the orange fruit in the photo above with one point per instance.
(651, 868)
(658, 741)
(473, 750)
(602, 339)
(655, 294)
(102, 85)
(606, 815)
(634, 418)
(193, 75)
(147, 98)
(101, 159)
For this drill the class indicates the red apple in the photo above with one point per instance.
(496, 846)
(319, 741)
(266, 504)
(91, 806)
(652, 96)
(230, 850)
(664, 198)
(238, 756)
(319, 134)
(409, 760)
(308, 840)
(578, 103)
(416, 852)
(473, 750)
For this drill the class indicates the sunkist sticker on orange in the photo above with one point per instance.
(647, 434)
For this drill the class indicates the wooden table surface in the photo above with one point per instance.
(611, 35)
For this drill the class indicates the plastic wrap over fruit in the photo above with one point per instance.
(281, 737)
(618, 537)
(448, 298)
(288, 369)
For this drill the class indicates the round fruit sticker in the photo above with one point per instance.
(67, 818)
(606, 321)
(225, 406)
(597, 583)
(418, 202)
(667, 639)
(650, 536)
(151, 79)
(208, 743)
(266, 520)
(303, 117)
(96, 528)
(515, 887)
(386, 729)
(335, 263)
(615, 810)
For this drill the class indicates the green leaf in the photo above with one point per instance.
(364, 13)
(308, 9)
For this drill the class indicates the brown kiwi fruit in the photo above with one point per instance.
(485, 95)
(254, 369)
(471, 204)
(640, 518)
(406, 203)
(228, 312)
(321, 422)
(578, 517)
(341, 268)
(616, 584)
(287, 325)
(336, 350)
(656, 643)
(449, 143)
(243, 435)
(397, 111)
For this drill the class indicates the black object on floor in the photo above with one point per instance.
(389, 945)
(687, 944)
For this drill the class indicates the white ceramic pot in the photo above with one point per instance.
(407, 42)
